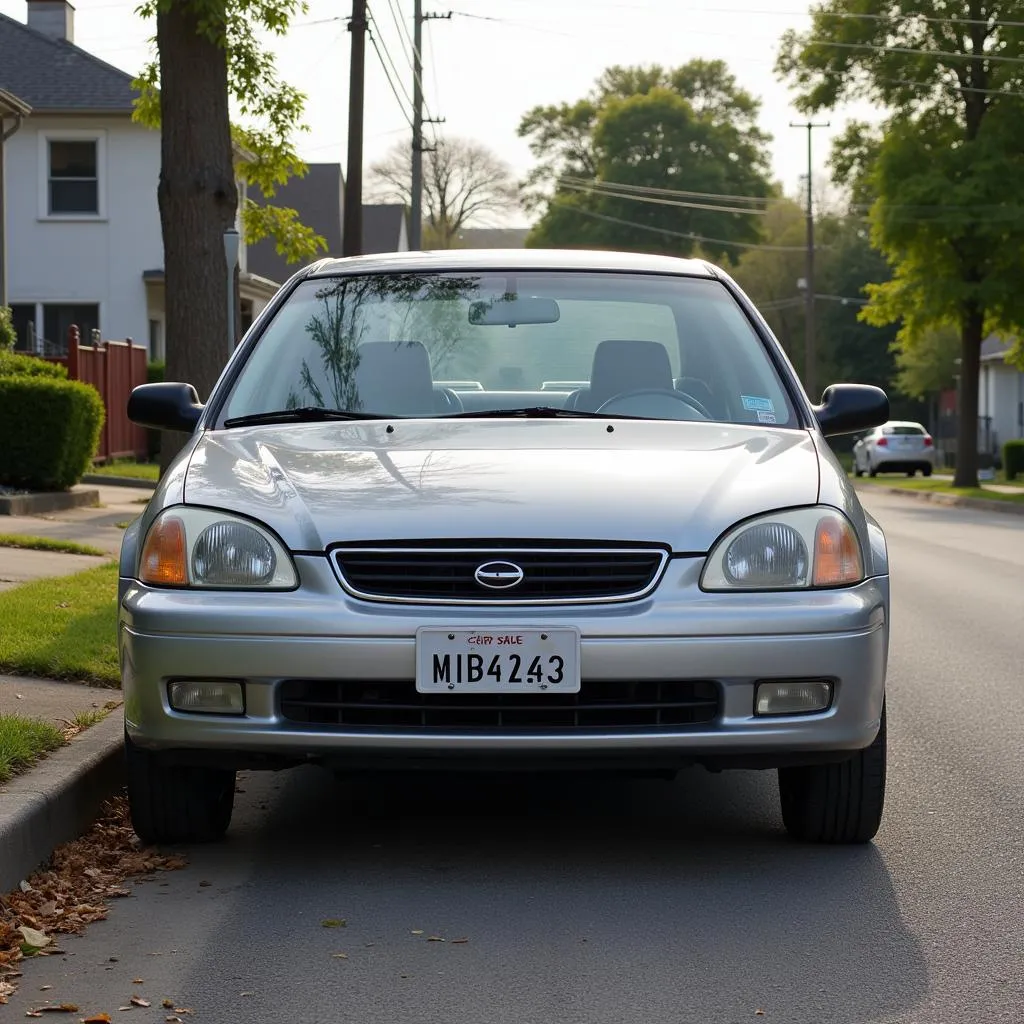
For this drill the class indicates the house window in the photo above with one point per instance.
(57, 318)
(156, 340)
(23, 315)
(73, 177)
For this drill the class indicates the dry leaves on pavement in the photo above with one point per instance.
(74, 890)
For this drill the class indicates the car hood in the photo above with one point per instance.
(679, 484)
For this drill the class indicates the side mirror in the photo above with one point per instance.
(847, 408)
(165, 406)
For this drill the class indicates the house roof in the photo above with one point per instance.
(318, 198)
(995, 347)
(53, 75)
(12, 106)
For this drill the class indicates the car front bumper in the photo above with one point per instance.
(677, 633)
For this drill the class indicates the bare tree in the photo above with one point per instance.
(462, 181)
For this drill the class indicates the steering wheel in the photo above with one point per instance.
(628, 396)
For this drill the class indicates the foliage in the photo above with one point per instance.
(12, 364)
(606, 160)
(927, 363)
(463, 181)
(946, 175)
(62, 628)
(156, 370)
(8, 336)
(271, 110)
(50, 429)
(1013, 459)
(30, 543)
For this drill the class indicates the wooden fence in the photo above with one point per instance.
(113, 368)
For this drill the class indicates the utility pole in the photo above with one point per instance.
(352, 228)
(810, 343)
(418, 121)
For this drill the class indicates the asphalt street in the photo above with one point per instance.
(592, 901)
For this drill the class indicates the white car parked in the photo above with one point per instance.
(895, 447)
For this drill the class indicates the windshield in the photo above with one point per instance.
(479, 343)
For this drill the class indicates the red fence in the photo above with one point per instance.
(113, 368)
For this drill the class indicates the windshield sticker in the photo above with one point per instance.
(752, 404)
(766, 417)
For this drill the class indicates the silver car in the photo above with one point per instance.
(506, 510)
(895, 447)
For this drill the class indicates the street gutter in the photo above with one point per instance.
(59, 798)
(938, 498)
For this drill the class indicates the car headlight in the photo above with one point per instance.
(799, 548)
(198, 547)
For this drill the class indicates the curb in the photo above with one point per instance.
(118, 481)
(47, 501)
(937, 498)
(59, 798)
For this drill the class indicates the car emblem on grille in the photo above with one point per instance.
(499, 575)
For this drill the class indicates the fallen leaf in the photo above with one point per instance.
(459, 942)
(417, 931)
(203, 885)
(434, 938)
(759, 1013)
(137, 981)
(139, 1001)
(24, 886)
(33, 937)
(247, 993)
(168, 1004)
(173, 1020)
(334, 922)
(62, 1008)
(45, 988)
(340, 956)
(97, 1018)
(124, 1007)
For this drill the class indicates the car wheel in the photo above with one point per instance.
(872, 471)
(177, 804)
(857, 471)
(836, 803)
(926, 471)
(911, 472)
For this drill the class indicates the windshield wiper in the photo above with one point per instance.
(304, 414)
(539, 412)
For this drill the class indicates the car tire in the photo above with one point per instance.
(839, 803)
(177, 804)
(911, 472)
(872, 472)
(857, 471)
(927, 471)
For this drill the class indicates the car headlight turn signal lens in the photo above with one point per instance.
(798, 548)
(201, 547)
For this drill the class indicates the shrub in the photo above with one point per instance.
(7, 333)
(1013, 459)
(155, 372)
(50, 429)
(14, 365)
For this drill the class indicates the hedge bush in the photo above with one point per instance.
(50, 430)
(8, 336)
(12, 364)
(1013, 459)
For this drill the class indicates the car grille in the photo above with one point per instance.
(448, 575)
(600, 705)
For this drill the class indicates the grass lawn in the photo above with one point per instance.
(23, 741)
(145, 471)
(942, 487)
(67, 547)
(63, 628)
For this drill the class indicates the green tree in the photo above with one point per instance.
(8, 337)
(608, 164)
(927, 364)
(947, 177)
(208, 54)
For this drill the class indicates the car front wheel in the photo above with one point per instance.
(177, 804)
(838, 803)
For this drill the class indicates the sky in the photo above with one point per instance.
(495, 59)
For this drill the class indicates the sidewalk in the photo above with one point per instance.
(58, 798)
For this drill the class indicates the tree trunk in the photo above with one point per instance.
(198, 201)
(971, 335)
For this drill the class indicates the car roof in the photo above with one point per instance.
(513, 259)
(902, 423)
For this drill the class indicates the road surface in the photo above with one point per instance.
(627, 901)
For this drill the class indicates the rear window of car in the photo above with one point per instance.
(912, 430)
(510, 339)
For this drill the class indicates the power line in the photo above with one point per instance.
(387, 75)
(689, 236)
(681, 193)
(747, 211)
(386, 59)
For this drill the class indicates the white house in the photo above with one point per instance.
(83, 237)
(1000, 396)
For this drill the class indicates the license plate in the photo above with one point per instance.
(498, 660)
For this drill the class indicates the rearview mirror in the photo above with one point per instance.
(847, 408)
(510, 312)
(165, 406)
